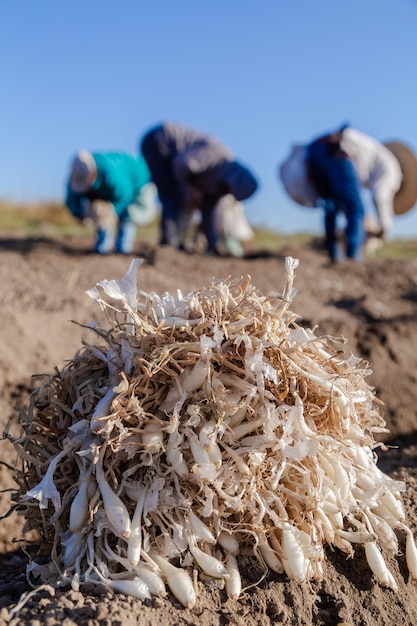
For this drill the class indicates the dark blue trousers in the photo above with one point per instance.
(158, 157)
(335, 179)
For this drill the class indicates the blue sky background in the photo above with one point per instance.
(96, 74)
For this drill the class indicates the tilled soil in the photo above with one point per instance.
(372, 304)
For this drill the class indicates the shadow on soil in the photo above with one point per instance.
(67, 246)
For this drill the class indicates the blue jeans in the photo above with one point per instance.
(158, 159)
(107, 242)
(336, 181)
(171, 196)
(126, 236)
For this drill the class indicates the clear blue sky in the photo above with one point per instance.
(259, 75)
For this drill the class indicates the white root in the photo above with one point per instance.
(207, 434)
(341, 479)
(79, 510)
(207, 437)
(365, 481)
(134, 544)
(178, 581)
(209, 564)
(410, 551)
(355, 537)
(215, 455)
(153, 581)
(269, 555)
(152, 437)
(411, 554)
(198, 451)
(242, 466)
(295, 563)
(187, 382)
(384, 532)
(135, 587)
(327, 530)
(201, 530)
(327, 465)
(205, 471)
(343, 545)
(102, 409)
(174, 455)
(229, 543)
(240, 431)
(393, 505)
(234, 581)
(378, 566)
(116, 511)
(197, 376)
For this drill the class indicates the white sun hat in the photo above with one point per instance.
(83, 172)
(406, 197)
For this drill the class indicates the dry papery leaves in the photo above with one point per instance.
(203, 433)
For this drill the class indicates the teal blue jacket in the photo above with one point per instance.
(120, 177)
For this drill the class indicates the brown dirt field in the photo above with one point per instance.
(373, 304)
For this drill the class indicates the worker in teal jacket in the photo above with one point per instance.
(112, 190)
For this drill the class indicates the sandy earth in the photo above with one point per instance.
(374, 305)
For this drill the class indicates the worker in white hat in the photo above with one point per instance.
(331, 172)
(114, 190)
